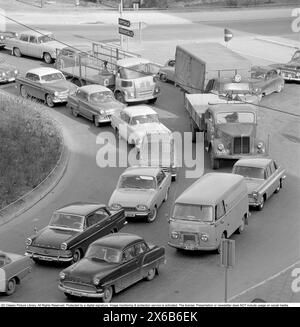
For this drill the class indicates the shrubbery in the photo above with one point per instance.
(30, 146)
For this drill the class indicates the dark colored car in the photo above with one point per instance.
(110, 265)
(291, 70)
(71, 230)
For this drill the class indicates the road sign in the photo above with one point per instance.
(126, 32)
(124, 22)
(227, 253)
(227, 35)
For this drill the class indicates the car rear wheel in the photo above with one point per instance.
(76, 256)
(151, 274)
(17, 52)
(11, 286)
(152, 215)
(278, 188)
(47, 58)
(49, 101)
(23, 92)
(107, 294)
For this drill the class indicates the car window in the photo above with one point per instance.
(266, 173)
(140, 248)
(32, 77)
(125, 117)
(24, 37)
(220, 210)
(128, 254)
(82, 95)
(160, 177)
(96, 217)
(210, 85)
(32, 39)
(271, 168)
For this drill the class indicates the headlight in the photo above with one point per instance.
(204, 237)
(156, 90)
(141, 207)
(62, 275)
(221, 147)
(96, 280)
(102, 112)
(260, 145)
(28, 241)
(115, 206)
(56, 93)
(63, 246)
(16, 72)
(255, 195)
(175, 235)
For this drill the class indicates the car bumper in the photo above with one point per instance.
(104, 119)
(79, 293)
(6, 80)
(290, 76)
(60, 99)
(192, 247)
(141, 98)
(49, 258)
(132, 214)
(238, 156)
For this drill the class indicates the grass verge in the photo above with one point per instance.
(30, 146)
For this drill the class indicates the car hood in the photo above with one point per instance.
(253, 184)
(61, 86)
(111, 106)
(52, 237)
(7, 67)
(131, 197)
(237, 129)
(86, 269)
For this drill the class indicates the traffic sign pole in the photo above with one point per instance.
(227, 257)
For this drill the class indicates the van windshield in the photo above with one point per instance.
(193, 212)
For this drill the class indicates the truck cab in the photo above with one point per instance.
(136, 80)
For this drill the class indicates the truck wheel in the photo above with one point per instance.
(163, 77)
(47, 58)
(120, 97)
(215, 163)
(17, 52)
(11, 286)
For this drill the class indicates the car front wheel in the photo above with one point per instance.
(11, 286)
(152, 215)
(107, 294)
(76, 256)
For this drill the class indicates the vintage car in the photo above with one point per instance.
(5, 35)
(237, 89)
(8, 72)
(266, 79)
(38, 44)
(167, 72)
(111, 264)
(291, 70)
(263, 178)
(134, 122)
(13, 268)
(95, 102)
(71, 230)
(47, 84)
(72, 55)
(141, 191)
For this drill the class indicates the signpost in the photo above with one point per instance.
(227, 257)
(126, 32)
(228, 35)
(124, 22)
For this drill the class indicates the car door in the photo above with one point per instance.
(221, 220)
(162, 186)
(83, 104)
(33, 47)
(273, 182)
(23, 44)
(33, 86)
(131, 267)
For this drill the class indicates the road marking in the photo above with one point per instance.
(264, 281)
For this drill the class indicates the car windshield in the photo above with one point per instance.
(137, 182)
(144, 119)
(235, 88)
(101, 97)
(65, 220)
(46, 38)
(249, 172)
(138, 71)
(258, 74)
(235, 117)
(52, 77)
(203, 213)
(97, 252)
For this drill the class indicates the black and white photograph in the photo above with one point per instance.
(150, 155)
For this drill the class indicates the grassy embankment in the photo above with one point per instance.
(30, 146)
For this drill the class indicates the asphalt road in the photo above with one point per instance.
(270, 243)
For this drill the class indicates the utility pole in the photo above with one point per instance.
(121, 36)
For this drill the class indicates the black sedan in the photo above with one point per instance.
(110, 265)
(71, 230)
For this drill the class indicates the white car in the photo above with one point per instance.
(133, 123)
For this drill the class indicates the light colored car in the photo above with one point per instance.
(46, 84)
(13, 268)
(263, 178)
(167, 72)
(266, 79)
(38, 44)
(134, 122)
(95, 102)
(8, 72)
(141, 191)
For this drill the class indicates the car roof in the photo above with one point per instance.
(36, 33)
(91, 88)
(253, 162)
(43, 70)
(81, 208)
(139, 110)
(118, 240)
(141, 170)
(209, 189)
(229, 107)
(127, 62)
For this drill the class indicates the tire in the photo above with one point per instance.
(261, 206)
(278, 188)
(242, 228)
(120, 97)
(219, 247)
(215, 163)
(151, 274)
(17, 52)
(152, 215)
(49, 101)
(163, 77)
(152, 101)
(96, 122)
(76, 256)
(47, 58)
(166, 195)
(74, 112)
(107, 294)
(23, 92)
(11, 286)
(69, 296)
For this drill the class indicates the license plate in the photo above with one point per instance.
(189, 246)
(75, 293)
(41, 257)
(129, 214)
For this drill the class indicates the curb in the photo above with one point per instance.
(28, 200)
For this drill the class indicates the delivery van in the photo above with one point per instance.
(212, 208)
